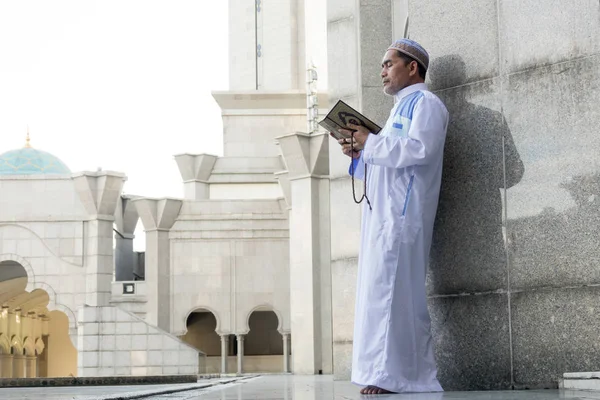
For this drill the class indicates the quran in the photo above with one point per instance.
(342, 114)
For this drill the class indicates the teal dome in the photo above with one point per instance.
(29, 161)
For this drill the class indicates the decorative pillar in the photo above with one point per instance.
(195, 170)
(19, 366)
(240, 355)
(158, 217)
(99, 193)
(286, 352)
(306, 157)
(6, 365)
(224, 352)
(31, 366)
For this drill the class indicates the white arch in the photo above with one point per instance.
(263, 307)
(17, 343)
(52, 305)
(4, 344)
(203, 309)
(39, 346)
(24, 263)
(29, 346)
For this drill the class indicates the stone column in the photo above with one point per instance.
(195, 170)
(31, 367)
(19, 366)
(224, 352)
(240, 355)
(158, 217)
(306, 157)
(6, 365)
(286, 352)
(99, 193)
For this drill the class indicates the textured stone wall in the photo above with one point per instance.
(514, 264)
(514, 269)
(112, 342)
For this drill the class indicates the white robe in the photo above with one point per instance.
(392, 336)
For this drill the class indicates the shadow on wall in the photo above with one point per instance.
(551, 233)
(468, 252)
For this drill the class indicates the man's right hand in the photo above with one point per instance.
(347, 148)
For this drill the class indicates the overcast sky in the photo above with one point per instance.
(122, 85)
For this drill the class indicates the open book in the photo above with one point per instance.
(342, 114)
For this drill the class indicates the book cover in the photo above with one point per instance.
(342, 114)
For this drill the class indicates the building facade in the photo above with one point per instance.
(212, 292)
(254, 269)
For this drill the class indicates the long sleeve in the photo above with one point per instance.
(357, 167)
(424, 142)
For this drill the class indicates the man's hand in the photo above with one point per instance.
(347, 147)
(360, 136)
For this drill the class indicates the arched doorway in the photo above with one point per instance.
(201, 334)
(27, 330)
(263, 345)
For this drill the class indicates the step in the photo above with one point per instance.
(581, 381)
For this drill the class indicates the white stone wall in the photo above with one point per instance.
(49, 251)
(60, 230)
(229, 191)
(134, 303)
(231, 258)
(45, 234)
(254, 135)
(113, 342)
(31, 198)
(242, 48)
(279, 46)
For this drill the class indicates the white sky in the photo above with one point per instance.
(123, 85)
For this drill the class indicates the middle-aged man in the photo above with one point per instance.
(402, 165)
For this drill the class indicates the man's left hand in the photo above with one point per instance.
(360, 136)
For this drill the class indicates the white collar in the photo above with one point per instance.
(410, 89)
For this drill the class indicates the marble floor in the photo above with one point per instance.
(75, 392)
(277, 387)
(324, 388)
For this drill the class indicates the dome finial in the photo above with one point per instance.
(27, 144)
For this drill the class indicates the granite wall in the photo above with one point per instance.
(514, 273)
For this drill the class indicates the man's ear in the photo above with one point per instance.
(414, 68)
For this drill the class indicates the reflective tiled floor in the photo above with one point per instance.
(73, 392)
(279, 387)
(324, 388)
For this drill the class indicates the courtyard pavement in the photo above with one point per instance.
(292, 387)
(275, 387)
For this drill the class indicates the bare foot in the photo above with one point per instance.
(374, 390)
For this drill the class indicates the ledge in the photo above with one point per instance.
(97, 381)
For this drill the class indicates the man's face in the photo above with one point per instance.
(395, 74)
